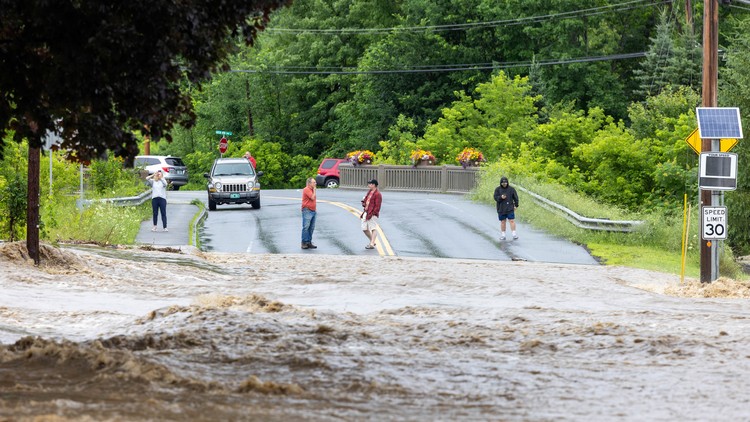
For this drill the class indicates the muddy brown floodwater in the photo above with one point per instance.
(126, 334)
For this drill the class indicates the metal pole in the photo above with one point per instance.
(50, 172)
(81, 184)
(709, 251)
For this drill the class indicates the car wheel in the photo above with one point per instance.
(256, 204)
(332, 183)
(211, 205)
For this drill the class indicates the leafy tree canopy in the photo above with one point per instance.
(95, 71)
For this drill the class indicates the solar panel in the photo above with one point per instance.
(719, 122)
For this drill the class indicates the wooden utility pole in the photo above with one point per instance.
(32, 205)
(709, 250)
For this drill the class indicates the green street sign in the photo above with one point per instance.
(223, 133)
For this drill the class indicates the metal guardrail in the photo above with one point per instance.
(456, 179)
(120, 202)
(580, 221)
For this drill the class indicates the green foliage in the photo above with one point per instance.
(65, 176)
(495, 122)
(198, 163)
(674, 58)
(13, 192)
(99, 223)
(565, 130)
(401, 141)
(735, 92)
(108, 178)
(13, 200)
(280, 170)
(615, 167)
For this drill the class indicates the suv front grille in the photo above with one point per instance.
(234, 187)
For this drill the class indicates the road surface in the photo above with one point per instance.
(411, 224)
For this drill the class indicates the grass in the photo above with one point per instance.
(646, 257)
(191, 228)
(100, 223)
(656, 245)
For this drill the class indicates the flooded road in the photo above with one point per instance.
(99, 334)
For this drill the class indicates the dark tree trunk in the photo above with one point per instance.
(251, 126)
(32, 209)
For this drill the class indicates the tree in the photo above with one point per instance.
(735, 92)
(674, 58)
(495, 120)
(95, 71)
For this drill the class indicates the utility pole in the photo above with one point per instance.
(709, 249)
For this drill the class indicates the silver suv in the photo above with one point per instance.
(233, 181)
(174, 170)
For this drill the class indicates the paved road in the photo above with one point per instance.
(411, 224)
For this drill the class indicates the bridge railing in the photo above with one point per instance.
(446, 179)
(456, 179)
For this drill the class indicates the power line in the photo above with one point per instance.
(438, 68)
(619, 7)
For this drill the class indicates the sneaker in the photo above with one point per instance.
(369, 247)
(304, 245)
(502, 237)
(153, 229)
(166, 229)
(311, 246)
(515, 237)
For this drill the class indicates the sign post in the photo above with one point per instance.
(223, 143)
(718, 172)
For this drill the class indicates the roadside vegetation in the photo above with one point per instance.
(64, 217)
(656, 245)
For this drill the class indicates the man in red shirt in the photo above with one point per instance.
(369, 218)
(250, 158)
(308, 214)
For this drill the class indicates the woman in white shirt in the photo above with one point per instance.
(158, 197)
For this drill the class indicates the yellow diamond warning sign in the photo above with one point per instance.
(694, 140)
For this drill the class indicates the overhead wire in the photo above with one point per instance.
(438, 68)
(619, 7)
(331, 70)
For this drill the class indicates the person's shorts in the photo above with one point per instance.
(509, 216)
(370, 224)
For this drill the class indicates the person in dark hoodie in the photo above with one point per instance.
(507, 202)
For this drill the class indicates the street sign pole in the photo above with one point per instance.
(223, 143)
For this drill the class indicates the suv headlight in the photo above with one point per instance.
(217, 185)
(250, 185)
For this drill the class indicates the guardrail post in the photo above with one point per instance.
(382, 182)
(444, 179)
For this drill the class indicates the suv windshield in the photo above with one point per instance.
(234, 169)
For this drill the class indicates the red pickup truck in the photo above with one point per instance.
(328, 172)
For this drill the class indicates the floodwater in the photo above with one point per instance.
(112, 335)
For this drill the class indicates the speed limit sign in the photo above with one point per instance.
(714, 223)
